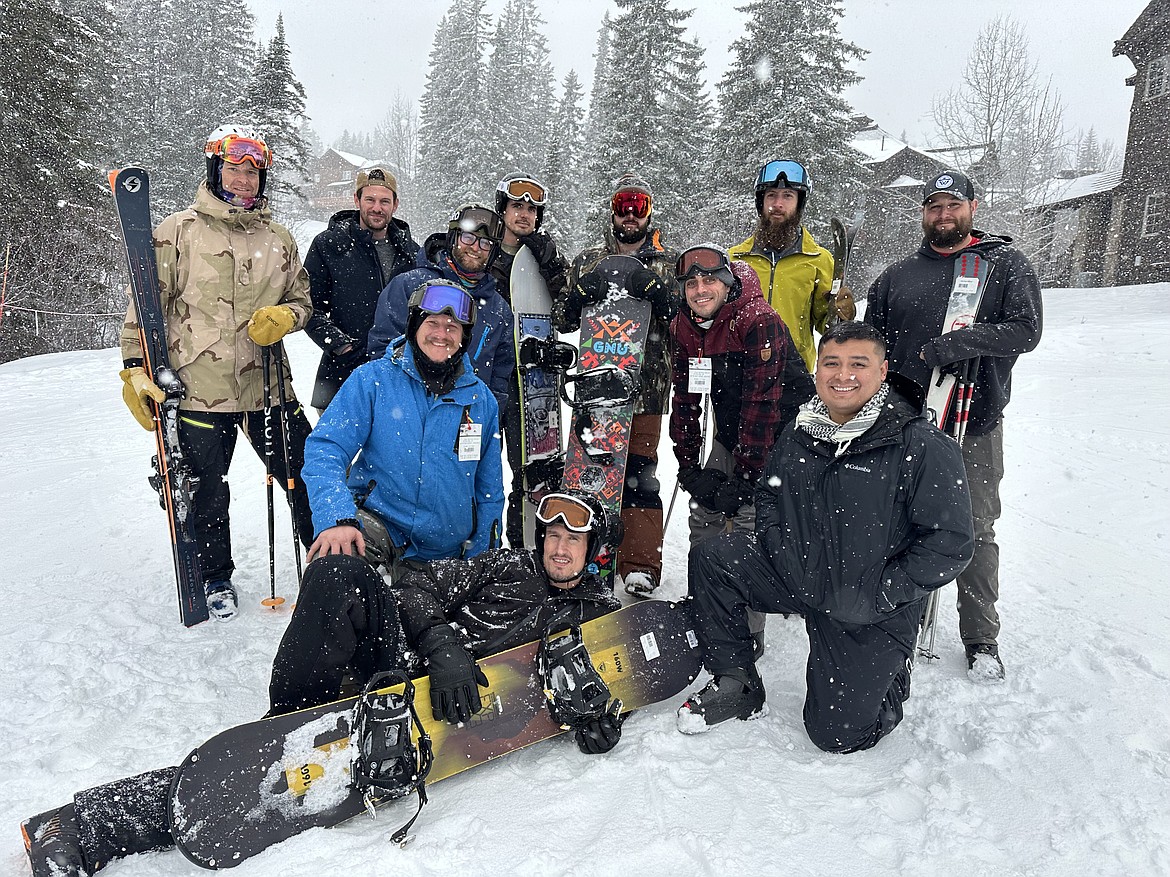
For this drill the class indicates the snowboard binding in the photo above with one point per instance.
(575, 690)
(387, 763)
(547, 355)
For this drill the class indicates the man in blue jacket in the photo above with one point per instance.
(424, 431)
(461, 256)
(862, 511)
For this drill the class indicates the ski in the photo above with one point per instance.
(173, 478)
(842, 249)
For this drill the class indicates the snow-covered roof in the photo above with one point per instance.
(1058, 191)
(876, 144)
(955, 157)
(903, 182)
(356, 160)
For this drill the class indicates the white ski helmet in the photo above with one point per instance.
(237, 144)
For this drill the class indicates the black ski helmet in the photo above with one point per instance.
(783, 173)
(441, 297)
(604, 529)
(521, 187)
(479, 219)
(231, 140)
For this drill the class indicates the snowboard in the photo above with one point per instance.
(540, 405)
(606, 385)
(173, 477)
(263, 782)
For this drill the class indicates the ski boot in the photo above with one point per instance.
(222, 602)
(53, 843)
(734, 694)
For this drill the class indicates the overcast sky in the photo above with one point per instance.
(352, 55)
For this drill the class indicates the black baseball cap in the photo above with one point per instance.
(951, 182)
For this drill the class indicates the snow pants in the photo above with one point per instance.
(979, 582)
(346, 617)
(857, 675)
(209, 441)
(641, 548)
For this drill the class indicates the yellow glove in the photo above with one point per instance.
(268, 325)
(842, 303)
(138, 387)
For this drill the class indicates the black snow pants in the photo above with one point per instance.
(858, 674)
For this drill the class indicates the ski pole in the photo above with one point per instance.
(271, 601)
(290, 481)
(702, 453)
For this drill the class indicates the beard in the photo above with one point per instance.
(777, 234)
(947, 239)
(631, 236)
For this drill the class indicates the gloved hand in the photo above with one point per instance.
(455, 676)
(701, 484)
(842, 303)
(134, 392)
(647, 285)
(269, 324)
(353, 357)
(544, 250)
(731, 496)
(589, 289)
(601, 734)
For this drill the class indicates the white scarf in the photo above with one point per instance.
(814, 419)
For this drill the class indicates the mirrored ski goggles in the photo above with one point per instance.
(235, 149)
(523, 189)
(701, 260)
(782, 171)
(443, 298)
(635, 203)
(565, 509)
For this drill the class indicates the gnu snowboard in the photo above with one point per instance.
(260, 783)
(605, 389)
(173, 478)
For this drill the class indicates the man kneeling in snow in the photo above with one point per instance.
(862, 510)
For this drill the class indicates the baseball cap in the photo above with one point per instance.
(951, 182)
(375, 176)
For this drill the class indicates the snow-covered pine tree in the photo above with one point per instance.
(274, 103)
(454, 165)
(564, 218)
(781, 97)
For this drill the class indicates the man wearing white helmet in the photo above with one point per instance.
(231, 283)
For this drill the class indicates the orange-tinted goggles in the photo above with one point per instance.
(567, 510)
(235, 149)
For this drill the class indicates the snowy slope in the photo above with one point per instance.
(1065, 769)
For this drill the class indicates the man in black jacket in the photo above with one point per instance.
(349, 264)
(907, 304)
(443, 616)
(861, 511)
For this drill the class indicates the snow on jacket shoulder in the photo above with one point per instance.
(406, 441)
(908, 302)
(493, 346)
(861, 535)
(217, 265)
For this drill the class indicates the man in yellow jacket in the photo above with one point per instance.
(796, 273)
(231, 284)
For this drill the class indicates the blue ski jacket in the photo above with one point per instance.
(493, 346)
(407, 444)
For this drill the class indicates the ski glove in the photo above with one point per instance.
(134, 392)
(647, 285)
(731, 496)
(702, 484)
(455, 676)
(842, 303)
(601, 734)
(589, 289)
(544, 250)
(269, 324)
(353, 357)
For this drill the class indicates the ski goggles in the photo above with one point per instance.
(235, 149)
(631, 202)
(570, 511)
(701, 260)
(473, 217)
(440, 297)
(782, 172)
(523, 189)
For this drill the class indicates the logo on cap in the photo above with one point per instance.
(944, 181)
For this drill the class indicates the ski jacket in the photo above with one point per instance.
(797, 287)
(655, 379)
(908, 303)
(493, 345)
(555, 270)
(861, 533)
(407, 443)
(748, 346)
(217, 265)
(498, 600)
(345, 278)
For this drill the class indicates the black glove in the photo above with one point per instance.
(353, 357)
(731, 496)
(544, 250)
(701, 484)
(589, 289)
(545, 474)
(646, 285)
(455, 676)
(601, 734)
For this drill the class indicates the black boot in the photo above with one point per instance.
(53, 843)
(733, 694)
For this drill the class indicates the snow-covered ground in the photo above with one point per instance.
(1065, 769)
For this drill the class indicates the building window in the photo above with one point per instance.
(1157, 78)
(1154, 216)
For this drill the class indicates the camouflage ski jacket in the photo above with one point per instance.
(217, 265)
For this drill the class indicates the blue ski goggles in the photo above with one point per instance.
(440, 297)
(786, 173)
